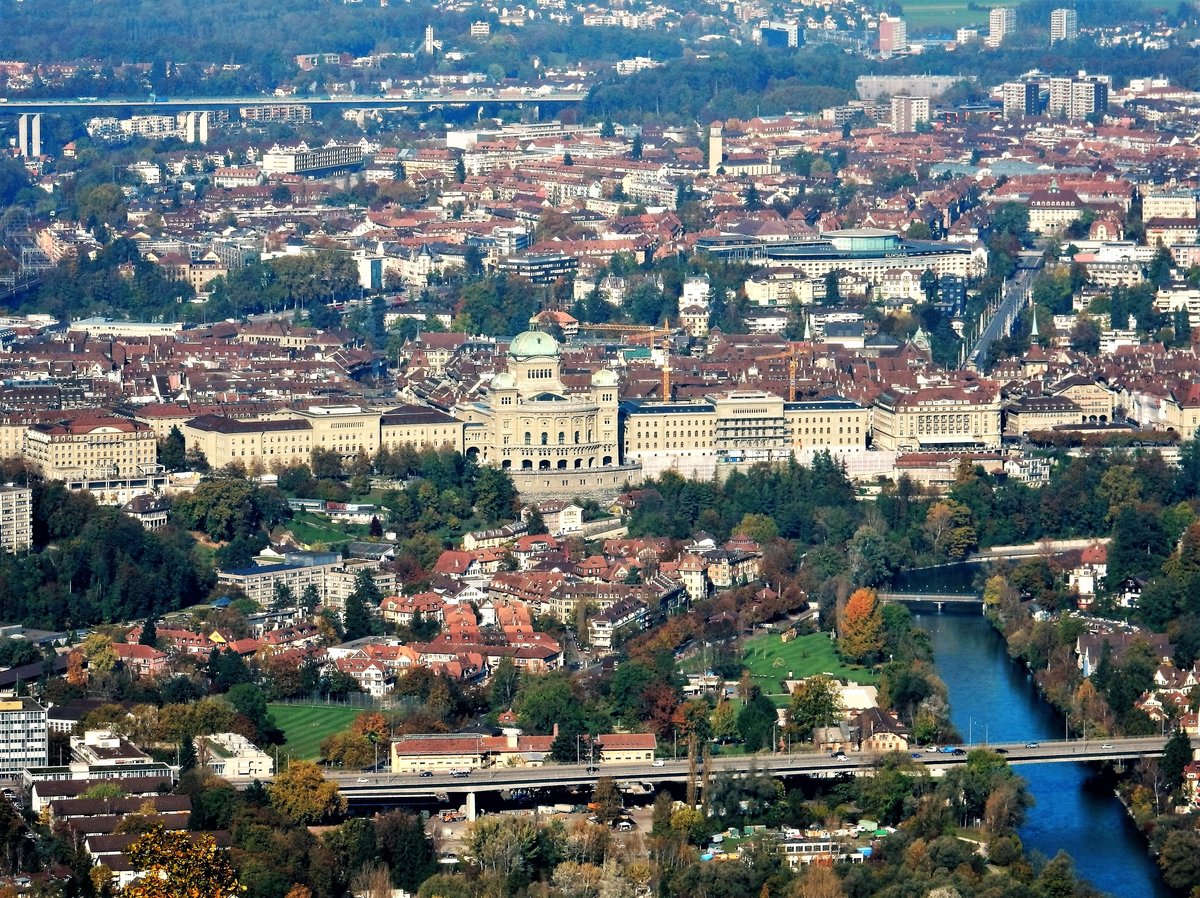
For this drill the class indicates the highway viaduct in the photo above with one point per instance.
(389, 788)
(101, 105)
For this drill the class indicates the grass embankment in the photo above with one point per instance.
(770, 661)
(306, 726)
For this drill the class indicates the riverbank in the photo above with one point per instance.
(995, 698)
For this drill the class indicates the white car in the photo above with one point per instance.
(659, 762)
(362, 779)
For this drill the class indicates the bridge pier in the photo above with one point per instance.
(472, 812)
(940, 605)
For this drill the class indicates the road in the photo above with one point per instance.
(176, 104)
(1006, 312)
(369, 786)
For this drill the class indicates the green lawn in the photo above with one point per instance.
(305, 726)
(946, 15)
(309, 528)
(770, 661)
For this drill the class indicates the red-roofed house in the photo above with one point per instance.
(627, 748)
(141, 660)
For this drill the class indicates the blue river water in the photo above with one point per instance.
(991, 698)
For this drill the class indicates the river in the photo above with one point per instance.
(992, 698)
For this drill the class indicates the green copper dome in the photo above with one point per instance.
(533, 344)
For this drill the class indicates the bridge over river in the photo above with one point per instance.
(389, 788)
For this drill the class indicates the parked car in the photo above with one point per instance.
(1106, 747)
(659, 762)
(916, 755)
(425, 773)
(1032, 745)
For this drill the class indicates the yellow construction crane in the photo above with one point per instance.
(636, 333)
(793, 367)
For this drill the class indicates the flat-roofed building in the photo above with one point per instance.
(695, 437)
(16, 518)
(22, 735)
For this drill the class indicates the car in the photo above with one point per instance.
(959, 752)
(932, 748)
(659, 762)
(425, 773)
(592, 768)
(947, 750)
(916, 756)
(838, 756)
(1032, 745)
(460, 772)
(1106, 747)
(1002, 751)
(362, 779)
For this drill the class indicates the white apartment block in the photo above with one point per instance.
(22, 736)
(1002, 22)
(16, 518)
(1064, 25)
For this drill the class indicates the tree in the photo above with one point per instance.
(149, 634)
(1180, 860)
(172, 451)
(607, 799)
(756, 721)
(178, 864)
(304, 796)
(817, 882)
(862, 627)
(535, 525)
(635, 148)
(359, 617)
(506, 680)
(814, 703)
(1177, 754)
(949, 529)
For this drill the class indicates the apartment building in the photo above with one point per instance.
(1064, 25)
(1080, 96)
(22, 736)
(909, 112)
(16, 518)
(1002, 22)
(333, 578)
(893, 35)
(91, 446)
(304, 160)
(1020, 98)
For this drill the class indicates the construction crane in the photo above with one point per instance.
(636, 333)
(793, 367)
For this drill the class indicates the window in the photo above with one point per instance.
(528, 438)
(562, 438)
(545, 438)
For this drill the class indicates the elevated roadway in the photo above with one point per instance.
(388, 787)
(184, 104)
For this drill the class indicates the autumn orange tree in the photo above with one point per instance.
(862, 627)
(177, 864)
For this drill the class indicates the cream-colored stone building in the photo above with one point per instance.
(1095, 400)
(90, 446)
(418, 425)
(266, 443)
(694, 438)
(945, 417)
(553, 442)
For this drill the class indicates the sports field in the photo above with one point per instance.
(305, 726)
(947, 14)
(770, 660)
